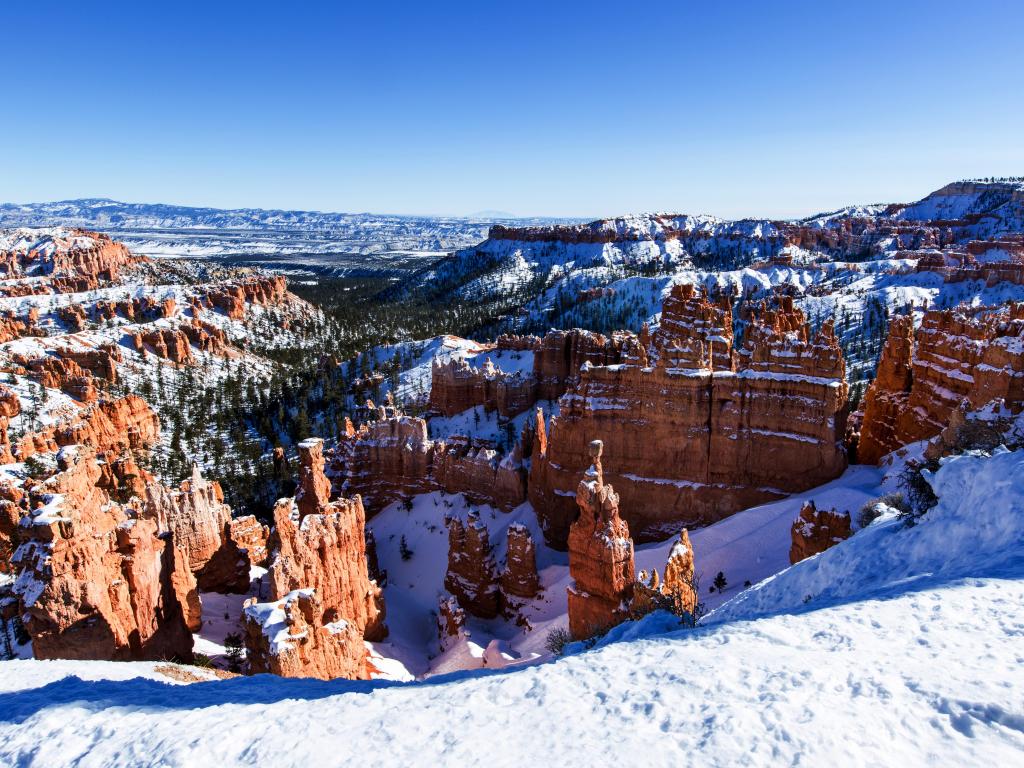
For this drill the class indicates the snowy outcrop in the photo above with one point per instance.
(815, 530)
(322, 603)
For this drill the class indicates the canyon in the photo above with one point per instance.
(491, 491)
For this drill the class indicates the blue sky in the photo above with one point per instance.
(575, 109)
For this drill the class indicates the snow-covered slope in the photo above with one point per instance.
(910, 655)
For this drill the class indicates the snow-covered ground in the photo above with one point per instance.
(912, 656)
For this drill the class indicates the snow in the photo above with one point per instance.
(899, 646)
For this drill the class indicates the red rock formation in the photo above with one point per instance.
(10, 407)
(314, 491)
(520, 579)
(472, 574)
(975, 355)
(677, 592)
(479, 472)
(322, 601)
(170, 344)
(706, 430)
(109, 426)
(73, 315)
(250, 534)
(451, 623)
(288, 637)
(385, 461)
(62, 373)
(600, 556)
(392, 459)
(86, 254)
(200, 522)
(94, 582)
(815, 530)
(12, 507)
(263, 290)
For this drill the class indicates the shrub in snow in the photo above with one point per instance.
(917, 491)
(890, 503)
(556, 640)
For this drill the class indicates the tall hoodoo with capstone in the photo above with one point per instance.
(600, 556)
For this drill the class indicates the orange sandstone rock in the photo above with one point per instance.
(815, 530)
(600, 556)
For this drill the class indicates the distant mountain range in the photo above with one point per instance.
(290, 241)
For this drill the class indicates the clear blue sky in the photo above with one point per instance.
(590, 108)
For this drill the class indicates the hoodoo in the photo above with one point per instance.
(322, 602)
(600, 556)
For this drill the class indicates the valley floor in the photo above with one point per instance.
(926, 673)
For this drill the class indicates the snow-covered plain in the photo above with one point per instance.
(920, 665)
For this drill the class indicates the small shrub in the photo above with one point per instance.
(872, 510)
(403, 549)
(233, 645)
(556, 640)
(201, 660)
(917, 491)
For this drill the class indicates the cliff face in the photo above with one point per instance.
(456, 385)
(200, 522)
(962, 354)
(97, 582)
(393, 458)
(694, 427)
(322, 603)
(600, 556)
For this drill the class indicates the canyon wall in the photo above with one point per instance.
(392, 459)
(695, 427)
(963, 354)
(97, 582)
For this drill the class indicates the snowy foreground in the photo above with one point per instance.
(902, 646)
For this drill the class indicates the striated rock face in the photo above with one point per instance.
(322, 601)
(962, 354)
(472, 574)
(289, 637)
(815, 530)
(520, 579)
(200, 522)
(696, 428)
(96, 583)
(126, 423)
(250, 534)
(600, 556)
(456, 385)
(393, 458)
